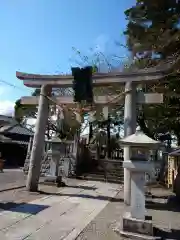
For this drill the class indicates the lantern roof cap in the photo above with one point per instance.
(139, 139)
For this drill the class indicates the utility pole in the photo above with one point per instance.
(39, 140)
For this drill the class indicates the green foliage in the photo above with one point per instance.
(153, 35)
(151, 25)
(36, 92)
(18, 112)
(23, 111)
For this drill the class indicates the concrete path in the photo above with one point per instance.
(11, 178)
(165, 212)
(59, 216)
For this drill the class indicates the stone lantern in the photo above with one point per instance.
(55, 153)
(135, 223)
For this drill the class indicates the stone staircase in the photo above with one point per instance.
(107, 170)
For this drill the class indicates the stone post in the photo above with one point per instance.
(138, 210)
(129, 128)
(39, 140)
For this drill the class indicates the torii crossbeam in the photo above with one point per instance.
(99, 79)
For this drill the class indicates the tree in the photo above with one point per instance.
(153, 35)
(23, 112)
(102, 63)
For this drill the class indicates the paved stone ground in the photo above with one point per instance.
(164, 210)
(11, 178)
(60, 215)
(12, 198)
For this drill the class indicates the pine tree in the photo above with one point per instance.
(153, 37)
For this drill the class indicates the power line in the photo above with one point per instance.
(11, 85)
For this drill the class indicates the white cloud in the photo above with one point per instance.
(7, 108)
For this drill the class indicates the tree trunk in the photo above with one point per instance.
(178, 139)
(90, 131)
(177, 134)
(144, 128)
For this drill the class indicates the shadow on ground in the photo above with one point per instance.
(174, 234)
(82, 187)
(28, 208)
(50, 183)
(170, 204)
(103, 198)
(159, 197)
(101, 179)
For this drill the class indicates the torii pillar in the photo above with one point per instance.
(129, 128)
(39, 140)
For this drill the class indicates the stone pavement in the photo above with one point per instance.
(12, 198)
(60, 215)
(164, 210)
(11, 178)
(81, 211)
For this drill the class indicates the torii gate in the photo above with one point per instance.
(46, 82)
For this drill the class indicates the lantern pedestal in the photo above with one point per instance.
(136, 224)
(55, 177)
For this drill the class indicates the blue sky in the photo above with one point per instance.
(37, 36)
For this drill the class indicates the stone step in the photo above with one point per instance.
(92, 174)
(102, 175)
(114, 171)
(111, 167)
(102, 178)
(108, 173)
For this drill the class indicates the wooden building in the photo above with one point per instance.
(13, 141)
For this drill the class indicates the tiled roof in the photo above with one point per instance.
(19, 142)
(4, 139)
(17, 128)
(7, 119)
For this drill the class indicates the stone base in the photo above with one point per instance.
(136, 229)
(53, 180)
(138, 236)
